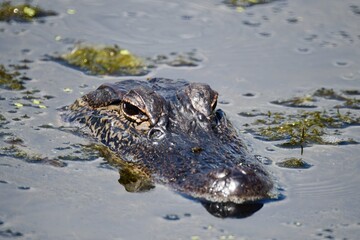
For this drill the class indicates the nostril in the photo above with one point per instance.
(156, 133)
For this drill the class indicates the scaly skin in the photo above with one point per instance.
(172, 130)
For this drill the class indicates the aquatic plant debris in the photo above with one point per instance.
(346, 97)
(22, 12)
(245, 3)
(295, 163)
(307, 127)
(16, 152)
(10, 80)
(107, 60)
(304, 128)
(115, 61)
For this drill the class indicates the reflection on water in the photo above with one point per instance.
(232, 210)
(137, 181)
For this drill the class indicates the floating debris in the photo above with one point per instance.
(115, 61)
(297, 163)
(22, 12)
(174, 59)
(303, 128)
(323, 93)
(108, 60)
(10, 80)
(300, 102)
(245, 3)
(3, 121)
(16, 152)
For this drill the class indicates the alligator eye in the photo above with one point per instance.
(133, 112)
(130, 109)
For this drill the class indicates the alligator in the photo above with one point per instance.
(172, 131)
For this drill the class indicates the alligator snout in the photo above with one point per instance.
(242, 183)
(249, 182)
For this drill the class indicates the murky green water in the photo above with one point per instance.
(251, 56)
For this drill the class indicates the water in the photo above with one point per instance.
(276, 50)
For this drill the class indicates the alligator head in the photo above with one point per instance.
(172, 130)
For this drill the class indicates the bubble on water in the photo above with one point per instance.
(327, 44)
(265, 34)
(293, 20)
(348, 76)
(172, 217)
(251, 23)
(311, 37)
(303, 50)
(341, 63)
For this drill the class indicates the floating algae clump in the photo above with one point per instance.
(10, 80)
(109, 60)
(16, 152)
(301, 102)
(304, 128)
(245, 3)
(22, 12)
(308, 101)
(296, 163)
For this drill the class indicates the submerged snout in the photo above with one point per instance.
(241, 183)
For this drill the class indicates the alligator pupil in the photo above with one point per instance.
(130, 109)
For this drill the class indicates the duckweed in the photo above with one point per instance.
(10, 80)
(108, 60)
(22, 12)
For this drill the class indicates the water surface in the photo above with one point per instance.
(276, 50)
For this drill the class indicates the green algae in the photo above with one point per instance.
(245, 3)
(294, 163)
(300, 102)
(115, 61)
(10, 80)
(22, 12)
(307, 101)
(304, 128)
(108, 60)
(18, 153)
